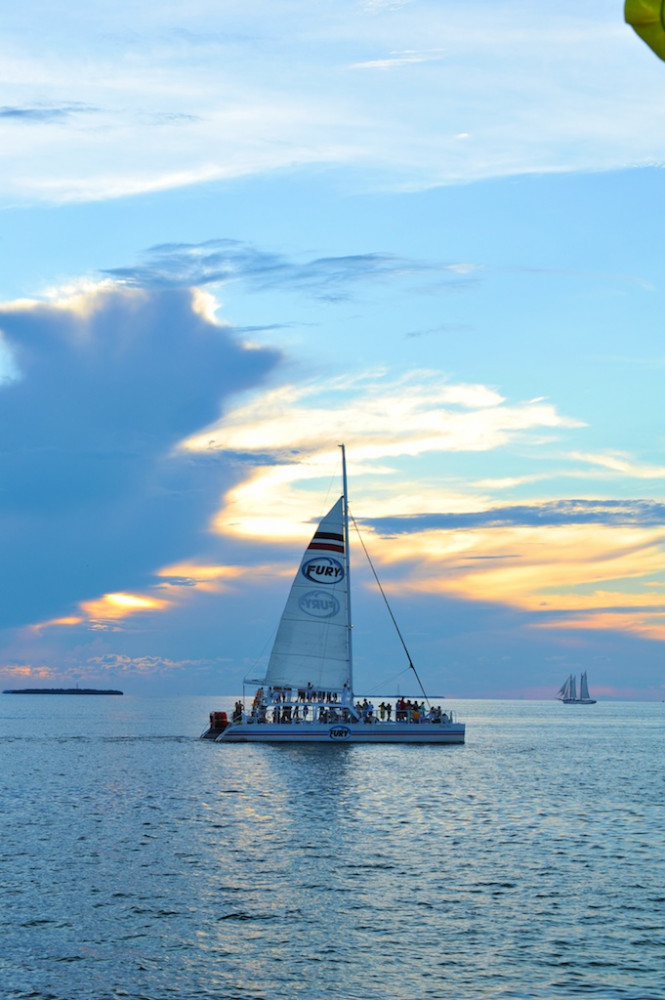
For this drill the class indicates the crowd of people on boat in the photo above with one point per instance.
(405, 711)
(304, 695)
(311, 705)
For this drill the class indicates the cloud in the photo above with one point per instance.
(534, 90)
(378, 6)
(94, 493)
(620, 464)
(396, 60)
(558, 573)
(286, 436)
(222, 260)
(572, 559)
(641, 622)
(41, 115)
(464, 328)
(548, 513)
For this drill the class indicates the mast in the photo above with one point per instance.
(347, 564)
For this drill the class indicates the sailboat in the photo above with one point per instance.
(307, 693)
(568, 691)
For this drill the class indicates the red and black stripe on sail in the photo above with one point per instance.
(329, 541)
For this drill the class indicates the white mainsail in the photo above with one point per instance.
(584, 688)
(312, 645)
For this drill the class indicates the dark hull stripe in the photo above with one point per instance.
(453, 739)
(386, 733)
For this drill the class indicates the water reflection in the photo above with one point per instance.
(528, 863)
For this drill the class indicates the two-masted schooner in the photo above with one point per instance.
(568, 691)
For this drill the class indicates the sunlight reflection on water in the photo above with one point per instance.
(142, 863)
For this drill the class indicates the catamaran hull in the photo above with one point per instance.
(343, 733)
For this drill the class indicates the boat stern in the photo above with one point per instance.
(219, 721)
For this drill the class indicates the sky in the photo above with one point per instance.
(234, 236)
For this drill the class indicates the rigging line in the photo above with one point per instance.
(395, 677)
(390, 612)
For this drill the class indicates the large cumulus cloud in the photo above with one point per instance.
(94, 494)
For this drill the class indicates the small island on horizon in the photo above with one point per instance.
(76, 690)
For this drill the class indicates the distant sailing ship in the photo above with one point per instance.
(306, 695)
(568, 691)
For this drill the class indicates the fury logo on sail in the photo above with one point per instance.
(318, 604)
(323, 569)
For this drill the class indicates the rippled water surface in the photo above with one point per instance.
(137, 862)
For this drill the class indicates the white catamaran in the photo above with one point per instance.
(307, 693)
(568, 691)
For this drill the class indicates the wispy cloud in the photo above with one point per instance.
(219, 261)
(533, 90)
(42, 115)
(548, 513)
(380, 6)
(442, 328)
(620, 464)
(398, 59)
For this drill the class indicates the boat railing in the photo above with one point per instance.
(325, 713)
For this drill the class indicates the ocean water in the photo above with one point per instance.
(137, 862)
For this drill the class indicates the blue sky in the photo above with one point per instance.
(234, 235)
